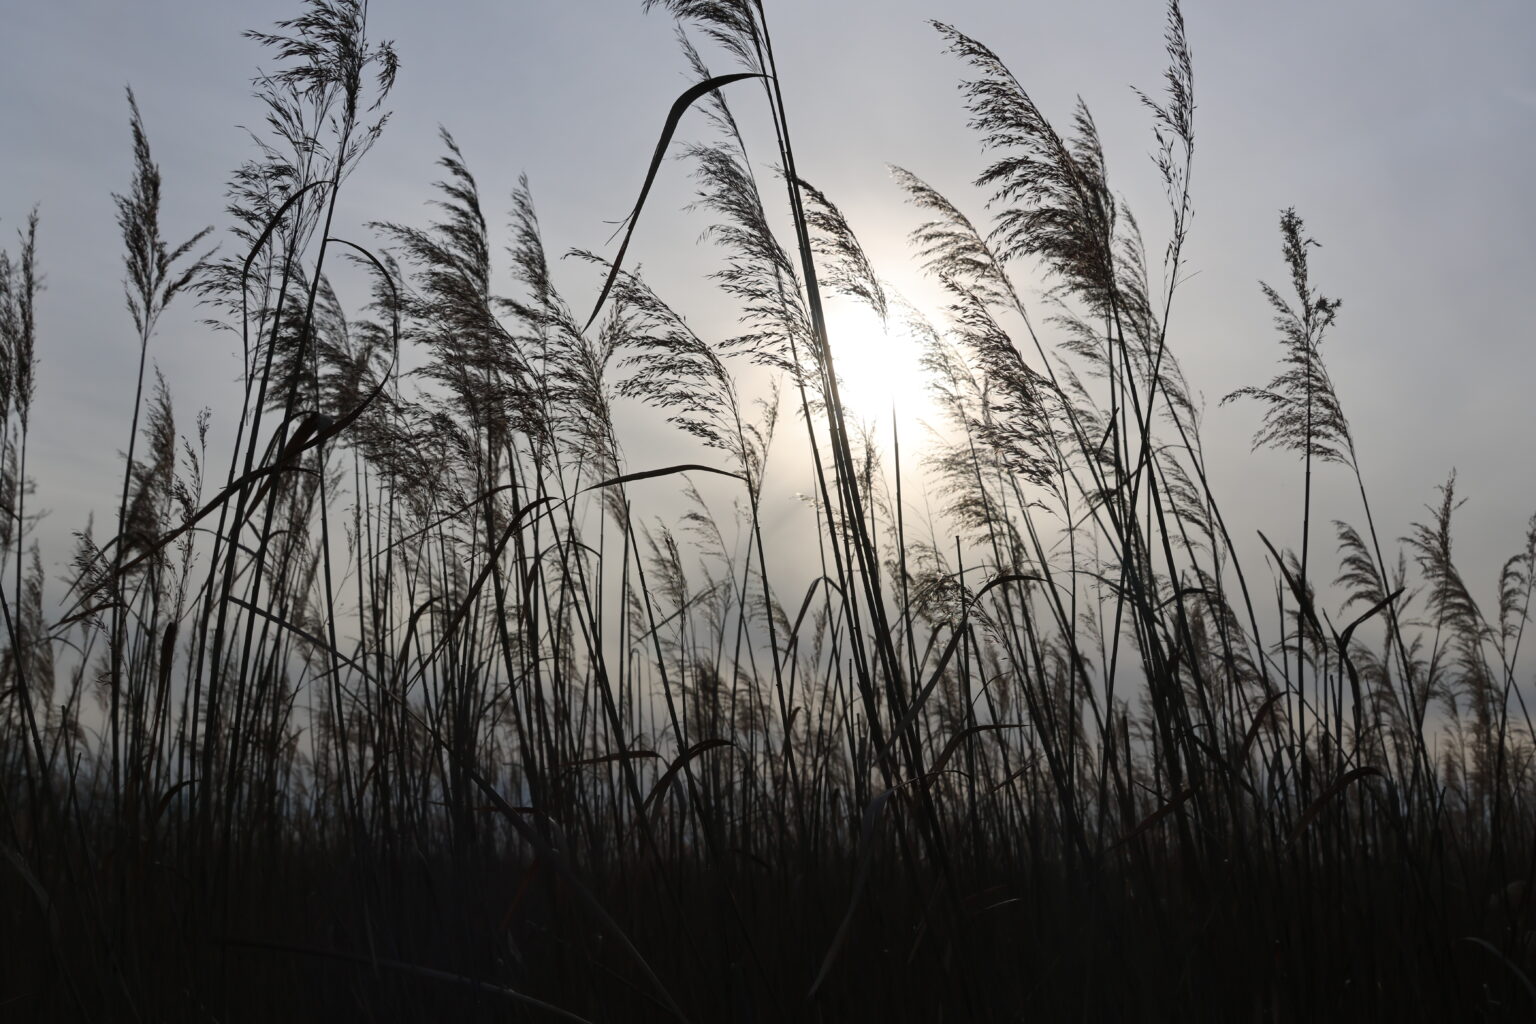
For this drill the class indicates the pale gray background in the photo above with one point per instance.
(1403, 131)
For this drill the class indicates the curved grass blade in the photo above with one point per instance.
(964, 734)
(1253, 729)
(517, 521)
(678, 765)
(166, 798)
(810, 592)
(622, 755)
(314, 430)
(1302, 599)
(651, 474)
(949, 652)
(1338, 786)
(1156, 816)
(679, 107)
(272, 223)
(1376, 609)
(1342, 642)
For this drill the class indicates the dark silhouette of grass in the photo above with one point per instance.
(415, 716)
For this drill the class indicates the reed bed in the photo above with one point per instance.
(412, 710)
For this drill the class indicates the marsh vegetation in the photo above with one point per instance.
(417, 703)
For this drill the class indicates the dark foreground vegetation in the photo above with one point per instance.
(400, 710)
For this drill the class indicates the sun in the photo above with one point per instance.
(879, 371)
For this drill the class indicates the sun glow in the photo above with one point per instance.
(879, 371)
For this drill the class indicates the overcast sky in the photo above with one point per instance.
(1403, 131)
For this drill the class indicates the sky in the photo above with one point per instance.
(1402, 131)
